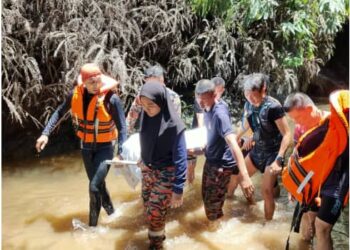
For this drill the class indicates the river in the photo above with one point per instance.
(41, 197)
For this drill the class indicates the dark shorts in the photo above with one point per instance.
(330, 209)
(214, 188)
(261, 159)
(235, 170)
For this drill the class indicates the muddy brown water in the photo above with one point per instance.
(41, 197)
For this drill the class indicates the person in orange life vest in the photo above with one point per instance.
(100, 121)
(319, 221)
(271, 135)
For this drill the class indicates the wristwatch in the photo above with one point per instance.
(280, 161)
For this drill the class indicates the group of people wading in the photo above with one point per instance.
(231, 157)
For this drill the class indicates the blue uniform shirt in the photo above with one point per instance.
(218, 124)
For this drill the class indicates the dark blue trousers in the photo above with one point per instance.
(94, 157)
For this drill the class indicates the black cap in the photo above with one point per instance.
(154, 71)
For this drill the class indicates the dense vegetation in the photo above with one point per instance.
(44, 42)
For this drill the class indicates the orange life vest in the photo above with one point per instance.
(98, 126)
(308, 170)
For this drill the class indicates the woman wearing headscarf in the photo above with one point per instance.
(99, 120)
(163, 159)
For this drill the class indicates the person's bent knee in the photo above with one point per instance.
(323, 229)
(93, 187)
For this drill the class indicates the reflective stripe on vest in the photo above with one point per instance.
(320, 160)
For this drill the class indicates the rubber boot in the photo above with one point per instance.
(95, 207)
(106, 200)
(156, 242)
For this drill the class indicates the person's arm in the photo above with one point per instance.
(180, 160)
(57, 115)
(246, 182)
(199, 114)
(200, 119)
(118, 116)
(133, 115)
(51, 124)
(108, 83)
(277, 115)
(243, 129)
(224, 127)
(283, 127)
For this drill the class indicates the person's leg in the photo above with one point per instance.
(106, 154)
(268, 183)
(276, 189)
(191, 165)
(148, 180)
(235, 179)
(307, 225)
(232, 185)
(327, 216)
(323, 235)
(107, 203)
(98, 191)
(158, 204)
(88, 158)
(251, 168)
(214, 188)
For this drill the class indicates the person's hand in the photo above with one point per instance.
(138, 100)
(275, 169)
(290, 197)
(247, 187)
(117, 158)
(195, 151)
(41, 142)
(176, 200)
(142, 166)
(248, 143)
(190, 171)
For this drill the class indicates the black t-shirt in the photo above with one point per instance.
(275, 112)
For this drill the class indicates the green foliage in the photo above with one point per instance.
(44, 43)
(205, 7)
(293, 37)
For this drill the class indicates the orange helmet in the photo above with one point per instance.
(89, 70)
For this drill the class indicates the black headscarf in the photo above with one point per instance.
(158, 133)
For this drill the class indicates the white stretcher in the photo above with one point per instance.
(131, 154)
